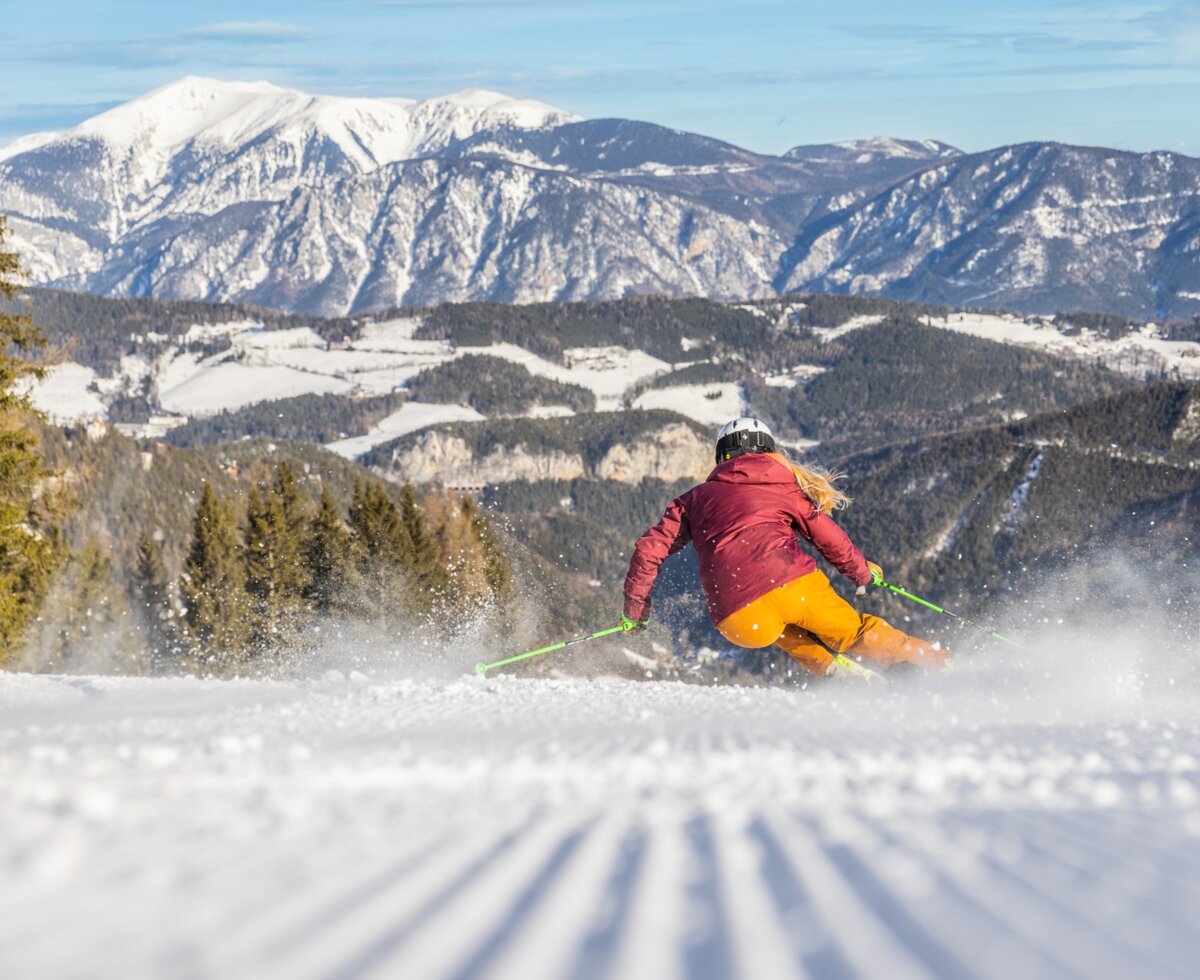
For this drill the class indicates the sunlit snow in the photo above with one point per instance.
(410, 417)
(1140, 353)
(231, 385)
(607, 371)
(65, 394)
(708, 404)
(854, 323)
(392, 816)
(371, 132)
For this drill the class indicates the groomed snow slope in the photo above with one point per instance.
(987, 823)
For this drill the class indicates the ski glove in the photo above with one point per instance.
(637, 609)
(633, 625)
(636, 614)
(876, 578)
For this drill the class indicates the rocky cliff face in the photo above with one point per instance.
(1187, 430)
(440, 458)
(675, 452)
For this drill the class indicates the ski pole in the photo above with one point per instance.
(946, 612)
(484, 668)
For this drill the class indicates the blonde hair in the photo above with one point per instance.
(817, 482)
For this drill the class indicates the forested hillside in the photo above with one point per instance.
(236, 559)
(98, 330)
(845, 371)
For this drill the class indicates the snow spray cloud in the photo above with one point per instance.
(1102, 634)
(443, 646)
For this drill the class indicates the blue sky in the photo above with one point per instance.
(764, 74)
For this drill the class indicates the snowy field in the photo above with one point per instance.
(1005, 820)
(262, 364)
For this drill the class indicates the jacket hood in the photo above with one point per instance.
(753, 468)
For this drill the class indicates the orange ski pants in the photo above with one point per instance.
(806, 618)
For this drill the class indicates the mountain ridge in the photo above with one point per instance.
(247, 192)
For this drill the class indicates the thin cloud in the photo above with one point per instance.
(188, 57)
(1176, 28)
(255, 31)
(1043, 41)
(223, 43)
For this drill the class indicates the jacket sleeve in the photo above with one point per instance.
(833, 543)
(668, 536)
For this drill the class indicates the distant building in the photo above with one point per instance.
(155, 427)
(95, 428)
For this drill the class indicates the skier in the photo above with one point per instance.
(761, 586)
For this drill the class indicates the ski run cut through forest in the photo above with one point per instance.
(1029, 814)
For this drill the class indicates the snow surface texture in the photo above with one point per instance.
(1025, 815)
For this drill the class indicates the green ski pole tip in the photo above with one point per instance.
(481, 668)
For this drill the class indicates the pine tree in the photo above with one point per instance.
(276, 575)
(460, 554)
(153, 611)
(496, 568)
(261, 564)
(30, 548)
(426, 575)
(291, 501)
(377, 527)
(292, 527)
(381, 548)
(213, 585)
(327, 555)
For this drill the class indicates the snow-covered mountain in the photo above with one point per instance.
(221, 190)
(1031, 227)
(200, 120)
(246, 191)
(873, 151)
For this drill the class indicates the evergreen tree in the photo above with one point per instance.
(459, 553)
(426, 575)
(327, 555)
(153, 610)
(381, 548)
(262, 518)
(29, 543)
(213, 585)
(276, 575)
(496, 568)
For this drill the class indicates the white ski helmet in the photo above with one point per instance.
(744, 435)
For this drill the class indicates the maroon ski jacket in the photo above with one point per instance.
(742, 521)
